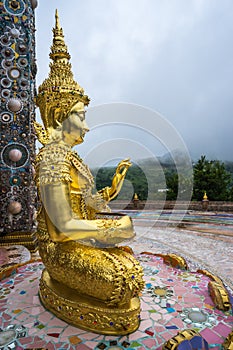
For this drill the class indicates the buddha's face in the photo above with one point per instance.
(75, 126)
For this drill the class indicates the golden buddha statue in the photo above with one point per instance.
(88, 280)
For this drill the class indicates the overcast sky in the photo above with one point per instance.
(171, 56)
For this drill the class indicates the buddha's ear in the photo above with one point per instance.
(56, 115)
(66, 125)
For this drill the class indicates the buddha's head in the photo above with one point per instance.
(60, 98)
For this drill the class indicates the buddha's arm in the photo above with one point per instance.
(56, 202)
(110, 193)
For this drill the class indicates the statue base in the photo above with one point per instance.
(88, 313)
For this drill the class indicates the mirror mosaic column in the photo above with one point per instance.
(17, 113)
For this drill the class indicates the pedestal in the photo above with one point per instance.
(88, 313)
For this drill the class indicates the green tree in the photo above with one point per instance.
(213, 178)
(179, 186)
(172, 185)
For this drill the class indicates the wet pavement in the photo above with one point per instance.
(198, 243)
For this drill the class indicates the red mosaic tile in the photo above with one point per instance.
(159, 329)
(54, 335)
(166, 336)
(50, 346)
(211, 337)
(27, 340)
(82, 347)
(39, 344)
(6, 317)
(222, 329)
(150, 343)
(149, 333)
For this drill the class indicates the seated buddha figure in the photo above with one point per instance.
(88, 279)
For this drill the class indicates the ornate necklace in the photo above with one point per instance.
(81, 167)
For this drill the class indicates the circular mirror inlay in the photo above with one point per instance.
(5, 40)
(16, 159)
(14, 7)
(14, 73)
(14, 207)
(24, 84)
(7, 63)
(6, 83)
(14, 105)
(6, 117)
(5, 93)
(7, 52)
(22, 62)
(15, 155)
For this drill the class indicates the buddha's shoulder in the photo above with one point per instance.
(53, 164)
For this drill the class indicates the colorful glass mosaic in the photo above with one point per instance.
(17, 113)
(173, 300)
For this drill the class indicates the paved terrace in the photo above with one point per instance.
(204, 239)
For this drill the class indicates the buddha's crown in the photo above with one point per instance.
(59, 92)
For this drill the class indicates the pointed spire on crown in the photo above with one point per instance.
(59, 48)
(57, 20)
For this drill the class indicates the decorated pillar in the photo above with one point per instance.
(17, 113)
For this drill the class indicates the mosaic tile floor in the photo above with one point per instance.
(173, 299)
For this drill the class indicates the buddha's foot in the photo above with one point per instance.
(86, 312)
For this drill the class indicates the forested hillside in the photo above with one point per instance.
(158, 179)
